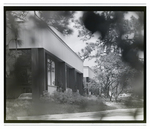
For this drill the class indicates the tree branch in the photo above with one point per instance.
(9, 42)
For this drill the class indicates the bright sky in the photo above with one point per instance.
(76, 44)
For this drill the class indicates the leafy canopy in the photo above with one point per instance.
(126, 36)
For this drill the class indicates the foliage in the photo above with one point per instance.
(60, 20)
(57, 19)
(93, 87)
(18, 108)
(70, 98)
(15, 108)
(133, 102)
(10, 61)
(74, 98)
(116, 50)
(115, 31)
(112, 74)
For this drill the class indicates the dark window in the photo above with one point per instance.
(87, 79)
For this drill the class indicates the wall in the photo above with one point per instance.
(52, 43)
(87, 72)
(47, 39)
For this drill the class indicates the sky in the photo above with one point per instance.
(76, 44)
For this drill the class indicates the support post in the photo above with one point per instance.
(38, 72)
(81, 86)
(73, 80)
(63, 75)
(57, 74)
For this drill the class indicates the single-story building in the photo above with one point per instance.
(46, 62)
(88, 75)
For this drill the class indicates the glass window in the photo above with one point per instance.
(50, 72)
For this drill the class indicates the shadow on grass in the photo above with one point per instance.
(16, 108)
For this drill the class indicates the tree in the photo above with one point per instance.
(119, 36)
(116, 31)
(113, 74)
(92, 86)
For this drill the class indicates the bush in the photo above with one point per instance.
(70, 97)
(67, 97)
(46, 97)
(15, 108)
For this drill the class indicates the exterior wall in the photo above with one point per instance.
(88, 75)
(53, 44)
(91, 73)
(48, 40)
(87, 72)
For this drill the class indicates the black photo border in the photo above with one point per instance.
(75, 8)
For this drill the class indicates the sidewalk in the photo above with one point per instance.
(118, 114)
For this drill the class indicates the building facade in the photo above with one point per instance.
(89, 80)
(88, 73)
(52, 64)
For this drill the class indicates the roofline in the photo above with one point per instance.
(63, 42)
(89, 68)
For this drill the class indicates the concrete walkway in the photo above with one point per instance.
(118, 114)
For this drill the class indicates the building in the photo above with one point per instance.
(88, 75)
(47, 60)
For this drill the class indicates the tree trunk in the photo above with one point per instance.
(108, 92)
(110, 97)
(116, 96)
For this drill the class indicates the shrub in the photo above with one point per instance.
(65, 97)
(46, 97)
(70, 97)
(15, 108)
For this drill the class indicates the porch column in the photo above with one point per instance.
(73, 80)
(57, 74)
(38, 72)
(63, 75)
(68, 78)
(81, 87)
(78, 81)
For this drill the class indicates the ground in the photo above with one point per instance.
(18, 108)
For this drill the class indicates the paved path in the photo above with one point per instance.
(118, 114)
(115, 105)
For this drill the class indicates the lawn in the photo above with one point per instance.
(63, 103)
(16, 108)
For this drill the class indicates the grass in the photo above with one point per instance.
(16, 108)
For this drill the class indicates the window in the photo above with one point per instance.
(50, 72)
